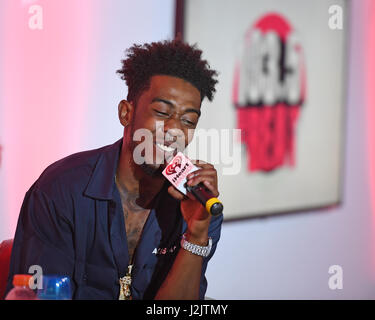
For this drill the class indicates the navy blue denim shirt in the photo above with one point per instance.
(71, 223)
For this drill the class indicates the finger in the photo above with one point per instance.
(196, 161)
(212, 188)
(175, 193)
(202, 164)
(211, 173)
(209, 181)
(190, 196)
(200, 178)
(204, 172)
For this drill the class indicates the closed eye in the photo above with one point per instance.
(189, 122)
(164, 114)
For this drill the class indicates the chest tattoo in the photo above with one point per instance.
(135, 218)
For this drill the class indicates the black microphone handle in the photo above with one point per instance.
(202, 194)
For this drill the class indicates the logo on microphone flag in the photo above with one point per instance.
(269, 89)
(177, 170)
(176, 163)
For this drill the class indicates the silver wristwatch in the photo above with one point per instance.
(196, 249)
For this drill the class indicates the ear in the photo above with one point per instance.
(125, 112)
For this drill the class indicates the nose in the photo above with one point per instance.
(173, 132)
(173, 127)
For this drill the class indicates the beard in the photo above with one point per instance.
(148, 166)
(151, 170)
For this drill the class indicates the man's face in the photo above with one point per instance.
(169, 111)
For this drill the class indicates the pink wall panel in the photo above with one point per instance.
(45, 89)
(370, 99)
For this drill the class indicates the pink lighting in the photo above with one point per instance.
(370, 97)
(45, 79)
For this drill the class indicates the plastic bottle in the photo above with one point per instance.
(55, 288)
(21, 290)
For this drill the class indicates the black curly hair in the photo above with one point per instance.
(169, 57)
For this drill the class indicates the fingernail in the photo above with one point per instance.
(191, 176)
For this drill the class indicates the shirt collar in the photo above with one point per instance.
(101, 182)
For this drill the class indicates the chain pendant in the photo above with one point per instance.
(125, 285)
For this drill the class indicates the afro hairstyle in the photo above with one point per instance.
(170, 57)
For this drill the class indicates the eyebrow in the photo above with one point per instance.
(173, 106)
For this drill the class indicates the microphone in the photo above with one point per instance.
(177, 170)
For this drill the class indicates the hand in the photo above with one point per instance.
(195, 215)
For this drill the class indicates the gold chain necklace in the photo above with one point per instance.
(125, 285)
(126, 281)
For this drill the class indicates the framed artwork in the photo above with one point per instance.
(279, 106)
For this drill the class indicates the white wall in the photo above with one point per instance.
(120, 25)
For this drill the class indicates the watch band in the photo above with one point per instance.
(196, 249)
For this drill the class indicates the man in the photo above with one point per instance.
(114, 225)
